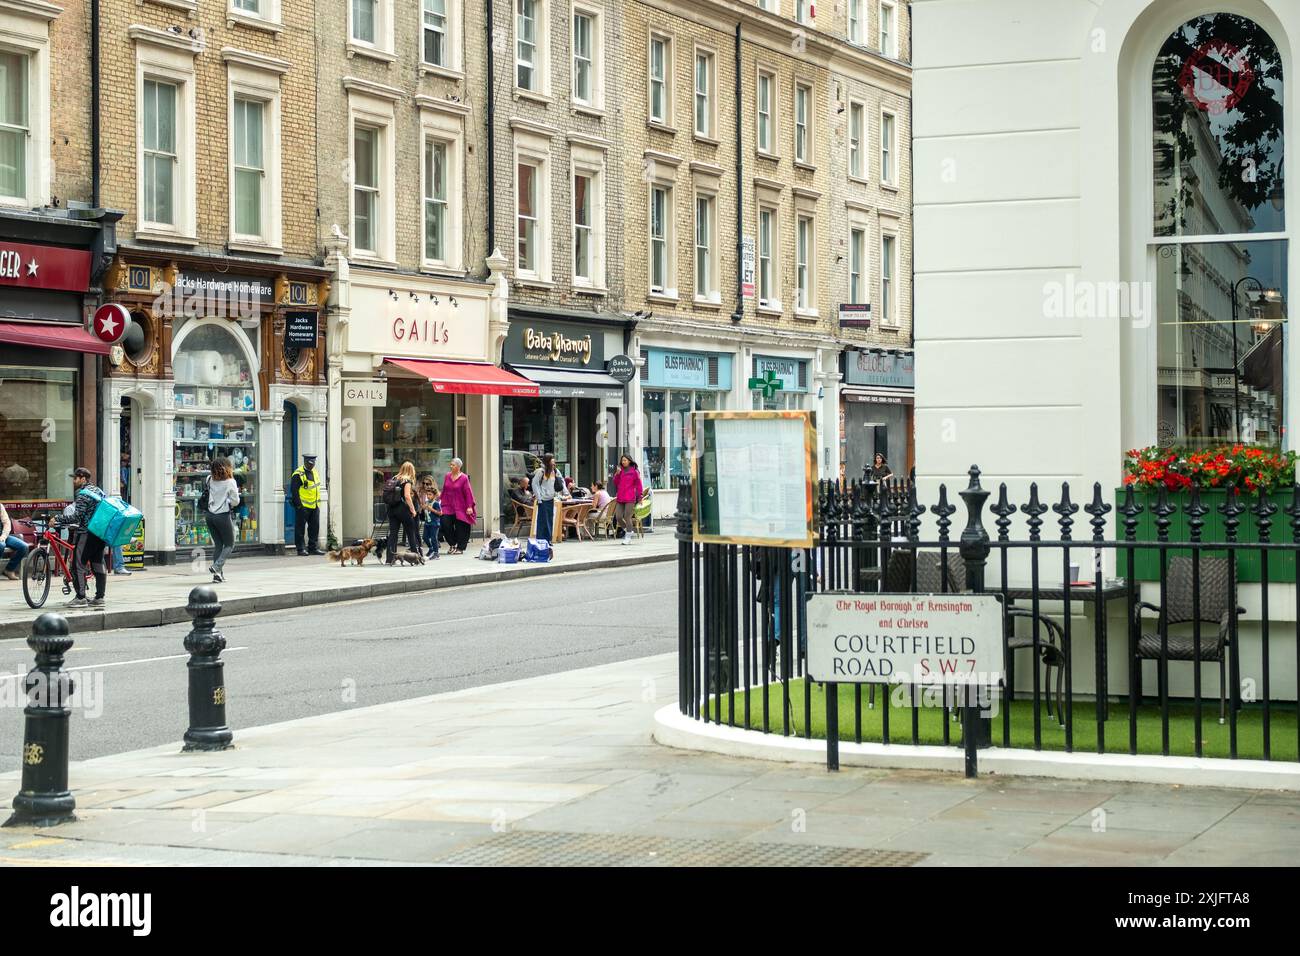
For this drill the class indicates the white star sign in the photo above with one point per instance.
(32, 266)
(108, 324)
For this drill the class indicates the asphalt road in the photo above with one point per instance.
(282, 665)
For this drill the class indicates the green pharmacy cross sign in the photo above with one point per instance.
(769, 384)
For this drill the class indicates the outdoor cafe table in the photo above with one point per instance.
(1087, 593)
(562, 507)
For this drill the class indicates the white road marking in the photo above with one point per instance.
(480, 617)
(143, 660)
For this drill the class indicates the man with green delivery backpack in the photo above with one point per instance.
(90, 549)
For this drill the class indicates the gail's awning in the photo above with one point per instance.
(467, 378)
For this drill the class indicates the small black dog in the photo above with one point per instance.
(409, 557)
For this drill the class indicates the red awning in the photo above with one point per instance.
(469, 378)
(71, 338)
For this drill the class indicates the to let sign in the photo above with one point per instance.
(931, 639)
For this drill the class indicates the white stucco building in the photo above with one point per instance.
(1039, 181)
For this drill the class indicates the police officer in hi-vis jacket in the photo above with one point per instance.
(304, 495)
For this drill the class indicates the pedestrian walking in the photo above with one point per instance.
(430, 516)
(879, 469)
(304, 495)
(627, 492)
(223, 497)
(458, 507)
(403, 506)
(16, 545)
(547, 486)
(90, 551)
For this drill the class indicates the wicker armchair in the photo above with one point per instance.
(575, 517)
(602, 521)
(1216, 610)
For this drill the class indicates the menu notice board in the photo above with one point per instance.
(753, 475)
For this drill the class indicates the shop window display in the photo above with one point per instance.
(37, 433)
(216, 416)
(416, 425)
(667, 421)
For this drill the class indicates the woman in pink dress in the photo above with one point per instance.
(458, 514)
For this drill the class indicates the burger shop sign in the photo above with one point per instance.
(928, 639)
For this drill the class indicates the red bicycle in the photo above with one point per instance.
(51, 556)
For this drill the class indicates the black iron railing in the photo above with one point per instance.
(1069, 612)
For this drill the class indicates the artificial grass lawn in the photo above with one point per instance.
(1250, 723)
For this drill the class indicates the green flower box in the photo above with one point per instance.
(1281, 564)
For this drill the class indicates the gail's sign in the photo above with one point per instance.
(421, 326)
(374, 394)
(933, 639)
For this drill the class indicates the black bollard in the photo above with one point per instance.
(208, 730)
(45, 799)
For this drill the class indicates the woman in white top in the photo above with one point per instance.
(223, 494)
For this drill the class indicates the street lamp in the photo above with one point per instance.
(1273, 303)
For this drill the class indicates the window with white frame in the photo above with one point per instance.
(435, 32)
(705, 87)
(661, 240)
(772, 6)
(888, 267)
(249, 165)
(530, 45)
(265, 10)
(165, 133)
(366, 189)
(365, 21)
(857, 143)
(15, 129)
(802, 123)
(588, 58)
(857, 265)
(660, 73)
(435, 200)
(803, 10)
(442, 195)
(804, 264)
(888, 39)
(25, 167)
(528, 216)
(706, 248)
(765, 95)
(254, 117)
(887, 172)
(588, 218)
(857, 27)
(582, 227)
(160, 159)
(768, 292)
(532, 208)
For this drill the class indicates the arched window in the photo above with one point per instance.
(216, 417)
(1219, 231)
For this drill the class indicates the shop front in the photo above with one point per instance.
(418, 381)
(217, 363)
(784, 383)
(876, 411)
(674, 383)
(49, 362)
(576, 400)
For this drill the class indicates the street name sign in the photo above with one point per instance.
(928, 639)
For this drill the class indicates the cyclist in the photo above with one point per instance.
(89, 549)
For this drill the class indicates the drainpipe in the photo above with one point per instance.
(739, 314)
(491, 136)
(94, 104)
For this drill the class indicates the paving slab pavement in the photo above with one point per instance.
(573, 777)
(157, 595)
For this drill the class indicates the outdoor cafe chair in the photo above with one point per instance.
(1216, 609)
(603, 520)
(523, 516)
(575, 517)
